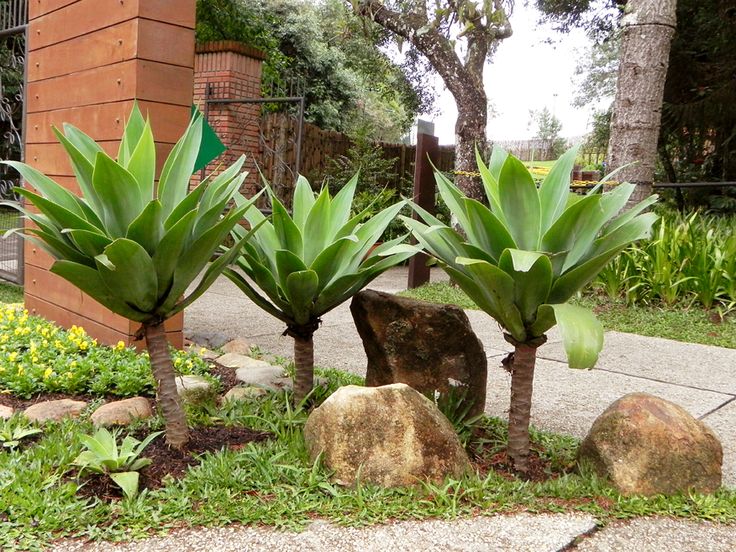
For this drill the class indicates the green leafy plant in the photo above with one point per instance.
(309, 262)
(121, 464)
(522, 259)
(134, 246)
(12, 432)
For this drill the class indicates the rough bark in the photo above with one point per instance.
(648, 28)
(522, 384)
(303, 366)
(177, 431)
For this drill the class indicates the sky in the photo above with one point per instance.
(526, 73)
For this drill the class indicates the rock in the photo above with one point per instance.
(54, 410)
(427, 346)
(647, 445)
(5, 412)
(193, 388)
(244, 393)
(203, 352)
(390, 435)
(122, 412)
(211, 340)
(269, 377)
(239, 345)
(236, 360)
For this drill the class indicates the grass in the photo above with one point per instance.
(9, 219)
(10, 293)
(274, 483)
(681, 323)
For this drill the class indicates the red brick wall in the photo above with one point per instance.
(87, 61)
(231, 70)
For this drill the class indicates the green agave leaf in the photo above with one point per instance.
(301, 289)
(486, 231)
(626, 216)
(490, 180)
(265, 239)
(186, 205)
(287, 232)
(335, 259)
(287, 262)
(83, 143)
(582, 334)
(317, 227)
(142, 162)
(147, 228)
(89, 243)
(303, 201)
(370, 232)
(177, 170)
(570, 227)
(555, 188)
(83, 168)
(120, 195)
(134, 278)
(254, 296)
(219, 188)
(631, 231)
(57, 248)
(496, 291)
(453, 198)
(90, 282)
(134, 129)
(58, 215)
(169, 251)
(127, 481)
(520, 204)
(544, 320)
(341, 205)
(532, 275)
(261, 274)
(440, 241)
(497, 161)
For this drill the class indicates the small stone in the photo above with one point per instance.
(236, 360)
(238, 345)
(54, 410)
(193, 388)
(122, 412)
(270, 377)
(390, 435)
(5, 412)
(203, 352)
(646, 445)
(211, 340)
(244, 393)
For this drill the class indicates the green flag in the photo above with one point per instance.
(211, 145)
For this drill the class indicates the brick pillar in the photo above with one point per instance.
(231, 70)
(87, 61)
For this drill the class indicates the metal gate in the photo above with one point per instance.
(267, 130)
(13, 20)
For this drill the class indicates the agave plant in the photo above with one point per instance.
(131, 245)
(521, 260)
(302, 265)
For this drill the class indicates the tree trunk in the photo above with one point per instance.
(648, 28)
(303, 366)
(177, 431)
(522, 383)
(470, 131)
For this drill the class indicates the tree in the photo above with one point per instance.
(435, 29)
(133, 246)
(548, 131)
(647, 30)
(309, 262)
(525, 257)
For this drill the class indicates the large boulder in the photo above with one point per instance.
(427, 346)
(391, 436)
(122, 412)
(54, 411)
(647, 445)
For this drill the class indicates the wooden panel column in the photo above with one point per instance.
(87, 61)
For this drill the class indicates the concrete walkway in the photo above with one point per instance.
(700, 378)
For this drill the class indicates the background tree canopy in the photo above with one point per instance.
(334, 57)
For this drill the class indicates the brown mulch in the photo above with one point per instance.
(168, 462)
(540, 469)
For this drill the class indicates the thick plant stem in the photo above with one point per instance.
(304, 366)
(522, 383)
(177, 432)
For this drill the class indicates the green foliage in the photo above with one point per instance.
(523, 258)
(14, 430)
(37, 356)
(132, 246)
(692, 259)
(309, 262)
(10, 293)
(548, 131)
(121, 464)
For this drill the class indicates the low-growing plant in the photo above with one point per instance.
(13, 431)
(121, 464)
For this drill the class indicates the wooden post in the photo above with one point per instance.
(424, 189)
(87, 61)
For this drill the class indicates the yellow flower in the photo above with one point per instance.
(47, 373)
(83, 345)
(188, 364)
(20, 370)
(119, 346)
(34, 359)
(4, 338)
(73, 364)
(12, 356)
(26, 330)
(177, 362)
(2, 369)
(17, 331)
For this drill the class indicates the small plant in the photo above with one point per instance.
(122, 464)
(13, 432)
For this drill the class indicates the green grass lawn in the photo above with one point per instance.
(691, 325)
(9, 219)
(10, 293)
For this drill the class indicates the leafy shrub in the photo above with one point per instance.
(14, 430)
(37, 356)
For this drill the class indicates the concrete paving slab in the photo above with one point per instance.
(690, 364)
(512, 533)
(568, 401)
(723, 422)
(660, 534)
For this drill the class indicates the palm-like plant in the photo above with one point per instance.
(309, 262)
(521, 259)
(131, 245)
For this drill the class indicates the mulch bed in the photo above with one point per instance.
(540, 469)
(168, 462)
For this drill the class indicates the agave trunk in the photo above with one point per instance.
(303, 366)
(177, 432)
(522, 382)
